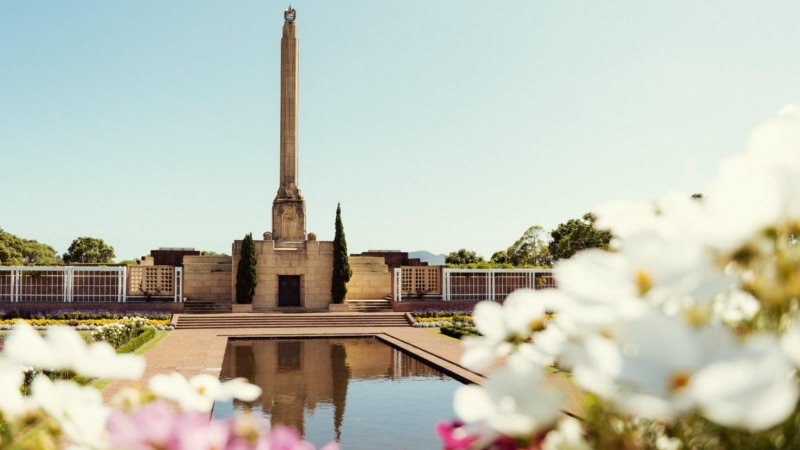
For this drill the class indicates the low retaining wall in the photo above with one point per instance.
(422, 305)
(129, 306)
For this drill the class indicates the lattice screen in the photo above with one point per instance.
(151, 280)
(425, 280)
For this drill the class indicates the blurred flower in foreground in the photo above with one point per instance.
(201, 391)
(687, 332)
(142, 420)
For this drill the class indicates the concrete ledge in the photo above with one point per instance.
(245, 308)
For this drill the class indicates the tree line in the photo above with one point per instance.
(17, 251)
(535, 249)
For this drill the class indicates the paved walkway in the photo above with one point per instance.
(195, 351)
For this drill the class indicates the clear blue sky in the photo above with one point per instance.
(437, 124)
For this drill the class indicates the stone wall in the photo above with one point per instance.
(422, 305)
(311, 260)
(208, 278)
(371, 278)
(118, 307)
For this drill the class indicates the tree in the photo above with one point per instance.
(246, 272)
(341, 264)
(530, 249)
(500, 257)
(15, 251)
(462, 256)
(576, 235)
(89, 250)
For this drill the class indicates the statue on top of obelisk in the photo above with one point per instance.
(289, 208)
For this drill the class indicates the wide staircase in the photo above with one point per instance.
(293, 320)
(206, 307)
(369, 305)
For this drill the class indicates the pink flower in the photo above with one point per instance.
(148, 427)
(193, 431)
(287, 438)
(454, 435)
(157, 426)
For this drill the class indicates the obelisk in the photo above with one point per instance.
(289, 208)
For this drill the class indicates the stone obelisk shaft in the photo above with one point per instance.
(289, 91)
(289, 208)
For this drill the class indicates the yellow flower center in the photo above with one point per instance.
(679, 380)
(643, 282)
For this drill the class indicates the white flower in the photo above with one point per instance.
(504, 327)
(751, 388)
(568, 436)
(64, 348)
(512, 401)
(660, 355)
(79, 410)
(790, 344)
(201, 391)
(12, 402)
(736, 306)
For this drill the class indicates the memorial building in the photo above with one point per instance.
(294, 269)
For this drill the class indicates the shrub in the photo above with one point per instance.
(138, 341)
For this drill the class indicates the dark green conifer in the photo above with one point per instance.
(341, 264)
(246, 273)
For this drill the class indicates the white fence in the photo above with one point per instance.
(480, 284)
(492, 284)
(71, 284)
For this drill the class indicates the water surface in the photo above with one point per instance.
(360, 392)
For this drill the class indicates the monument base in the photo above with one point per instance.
(290, 276)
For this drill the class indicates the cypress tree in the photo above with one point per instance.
(341, 265)
(246, 273)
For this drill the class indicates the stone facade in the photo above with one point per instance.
(312, 261)
(208, 278)
(371, 278)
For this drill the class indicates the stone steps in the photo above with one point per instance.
(291, 320)
(206, 307)
(369, 305)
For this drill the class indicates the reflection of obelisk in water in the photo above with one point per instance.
(289, 207)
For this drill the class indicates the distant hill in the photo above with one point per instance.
(428, 257)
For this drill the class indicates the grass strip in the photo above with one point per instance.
(160, 335)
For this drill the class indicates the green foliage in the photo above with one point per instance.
(458, 331)
(213, 253)
(246, 272)
(129, 262)
(486, 265)
(576, 235)
(89, 250)
(133, 344)
(15, 251)
(462, 256)
(459, 315)
(341, 263)
(501, 257)
(530, 249)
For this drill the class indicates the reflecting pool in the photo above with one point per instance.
(360, 392)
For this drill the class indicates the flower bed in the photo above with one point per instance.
(80, 324)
